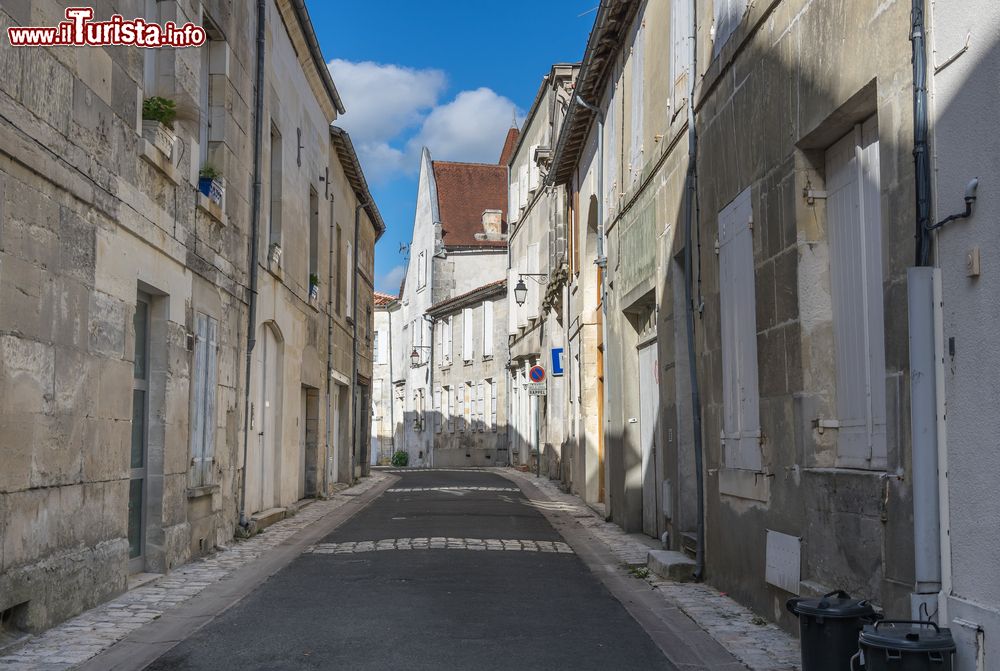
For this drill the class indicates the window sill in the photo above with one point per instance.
(211, 208)
(156, 158)
(487, 357)
(204, 490)
(745, 484)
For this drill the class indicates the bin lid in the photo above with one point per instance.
(834, 605)
(907, 637)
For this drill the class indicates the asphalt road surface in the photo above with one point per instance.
(349, 606)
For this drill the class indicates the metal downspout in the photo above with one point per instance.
(689, 223)
(392, 393)
(921, 153)
(258, 130)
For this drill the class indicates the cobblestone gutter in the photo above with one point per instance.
(77, 640)
(759, 644)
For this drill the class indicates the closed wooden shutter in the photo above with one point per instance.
(203, 403)
(854, 225)
(680, 58)
(488, 328)
(638, 79)
(437, 410)
(513, 200)
(737, 297)
(481, 408)
(533, 170)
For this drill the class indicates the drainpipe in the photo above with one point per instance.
(329, 348)
(602, 259)
(392, 394)
(430, 377)
(689, 223)
(926, 354)
(921, 153)
(258, 132)
(354, 366)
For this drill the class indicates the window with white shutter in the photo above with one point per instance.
(203, 420)
(513, 200)
(487, 329)
(737, 297)
(481, 408)
(680, 56)
(638, 79)
(467, 333)
(375, 349)
(534, 172)
(451, 409)
(447, 356)
(462, 417)
(493, 405)
(467, 408)
(421, 270)
(437, 410)
(522, 178)
(349, 300)
(854, 229)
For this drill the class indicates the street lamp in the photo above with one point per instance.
(521, 290)
(415, 355)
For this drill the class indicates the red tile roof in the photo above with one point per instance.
(383, 299)
(509, 145)
(465, 191)
(472, 296)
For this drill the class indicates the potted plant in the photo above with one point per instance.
(400, 459)
(210, 183)
(274, 256)
(158, 115)
(313, 287)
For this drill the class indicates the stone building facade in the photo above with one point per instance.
(739, 189)
(124, 297)
(459, 244)
(468, 417)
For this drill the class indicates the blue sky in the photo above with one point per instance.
(446, 73)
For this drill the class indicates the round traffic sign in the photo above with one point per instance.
(536, 374)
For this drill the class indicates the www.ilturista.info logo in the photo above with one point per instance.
(79, 30)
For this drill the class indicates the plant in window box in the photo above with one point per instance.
(274, 256)
(210, 183)
(313, 287)
(158, 116)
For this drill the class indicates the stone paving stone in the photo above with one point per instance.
(763, 647)
(401, 490)
(511, 545)
(90, 633)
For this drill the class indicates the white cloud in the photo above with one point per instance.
(470, 128)
(384, 100)
(389, 282)
(394, 111)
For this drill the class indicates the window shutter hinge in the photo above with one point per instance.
(716, 245)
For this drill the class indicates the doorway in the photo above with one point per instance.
(265, 461)
(138, 490)
(649, 396)
(309, 443)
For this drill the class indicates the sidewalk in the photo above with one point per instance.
(759, 644)
(88, 634)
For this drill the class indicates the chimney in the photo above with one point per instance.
(492, 221)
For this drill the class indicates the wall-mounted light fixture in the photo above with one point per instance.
(521, 289)
(415, 358)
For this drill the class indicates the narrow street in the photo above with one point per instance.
(472, 576)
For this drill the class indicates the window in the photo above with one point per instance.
(728, 14)
(513, 198)
(274, 237)
(446, 341)
(522, 180)
(493, 405)
(463, 416)
(213, 62)
(339, 272)
(313, 236)
(350, 281)
(467, 407)
(203, 387)
(854, 227)
(421, 270)
(150, 65)
(534, 172)
(375, 350)
(437, 410)
(481, 407)
(638, 78)
(467, 335)
(451, 409)
(740, 393)
(487, 329)
(680, 58)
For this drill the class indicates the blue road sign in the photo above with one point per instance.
(557, 361)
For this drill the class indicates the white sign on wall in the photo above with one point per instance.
(784, 561)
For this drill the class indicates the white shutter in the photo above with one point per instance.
(513, 201)
(513, 310)
(467, 334)
(448, 352)
(451, 410)
(534, 288)
(493, 405)
(438, 329)
(383, 347)
(461, 407)
(481, 408)
(522, 178)
(741, 394)
(488, 328)
(680, 59)
(350, 281)
(203, 402)
(533, 170)
(855, 239)
(638, 79)
(437, 410)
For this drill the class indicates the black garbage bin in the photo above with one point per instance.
(905, 645)
(829, 628)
